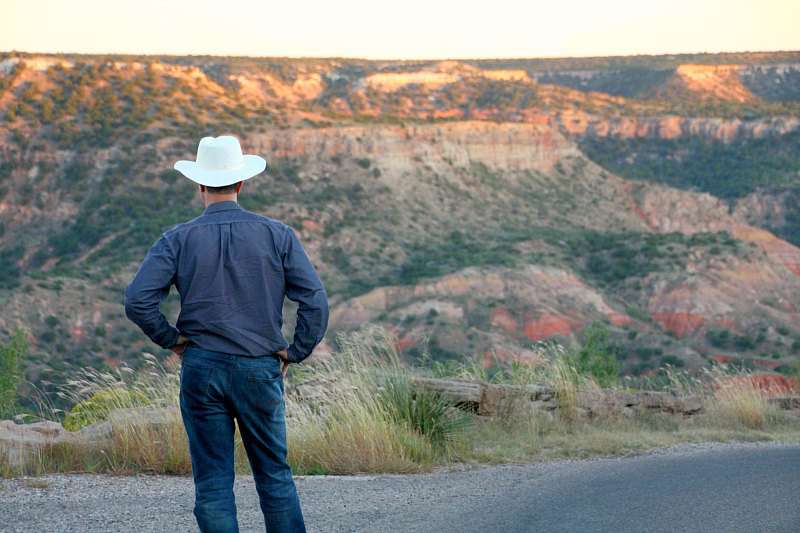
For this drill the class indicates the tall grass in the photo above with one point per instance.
(371, 418)
(365, 415)
(359, 411)
(354, 436)
(94, 394)
(565, 380)
(740, 401)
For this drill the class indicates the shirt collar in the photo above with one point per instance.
(216, 207)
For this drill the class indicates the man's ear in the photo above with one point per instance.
(202, 188)
(239, 186)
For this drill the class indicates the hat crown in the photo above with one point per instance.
(219, 153)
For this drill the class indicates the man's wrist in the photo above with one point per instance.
(293, 356)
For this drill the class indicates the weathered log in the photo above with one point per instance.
(495, 400)
(466, 394)
(785, 402)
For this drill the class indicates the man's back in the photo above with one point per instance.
(232, 269)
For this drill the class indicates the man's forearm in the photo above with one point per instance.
(312, 322)
(144, 294)
(153, 323)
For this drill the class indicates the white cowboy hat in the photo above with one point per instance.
(220, 162)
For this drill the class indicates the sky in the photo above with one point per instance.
(407, 29)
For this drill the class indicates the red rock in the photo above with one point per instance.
(771, 384)
(448, 113)
(772, 364)
(722, 358)
(406, 341)
(77, 333)
(726, 323)
(619, 319)
(680, 323)
(311, 225)
(503, 319)
(548, 325)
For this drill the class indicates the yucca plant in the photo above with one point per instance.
(423, 410)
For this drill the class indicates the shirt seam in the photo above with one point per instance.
(213, 223)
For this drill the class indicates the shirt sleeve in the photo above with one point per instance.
(149, 286)
(304, 286)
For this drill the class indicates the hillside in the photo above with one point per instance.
(476, 207)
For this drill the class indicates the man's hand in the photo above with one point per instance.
(179, 346)
(284, 355)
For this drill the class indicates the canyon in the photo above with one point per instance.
(475, 208)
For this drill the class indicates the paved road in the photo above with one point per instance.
(708, 488)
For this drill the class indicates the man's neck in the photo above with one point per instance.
(215, 198)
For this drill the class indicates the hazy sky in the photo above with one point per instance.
(399, 29)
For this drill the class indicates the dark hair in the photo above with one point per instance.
(225, 189)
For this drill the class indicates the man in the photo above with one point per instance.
(232, 269)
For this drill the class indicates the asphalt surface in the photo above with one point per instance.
(750, 488)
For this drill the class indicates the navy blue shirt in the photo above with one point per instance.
(232, 269)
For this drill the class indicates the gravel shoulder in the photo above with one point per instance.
(708, 487)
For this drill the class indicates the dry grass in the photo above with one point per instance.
(740, 402)
(354, 425)
(355, 437)
(158, 448)
(565, 380)
(543, 437)
(365, 417)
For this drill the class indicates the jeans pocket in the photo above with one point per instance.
(270, 371)
(264, 388)
(195, 382)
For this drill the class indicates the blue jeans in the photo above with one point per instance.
(217, 388)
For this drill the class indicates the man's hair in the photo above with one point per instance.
(225, 189)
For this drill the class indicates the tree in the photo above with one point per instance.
(11, 356)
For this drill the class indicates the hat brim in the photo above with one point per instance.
(251, 166)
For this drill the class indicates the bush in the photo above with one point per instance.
(11, 356)
(595, 357)
(424, 411)
(97, 407)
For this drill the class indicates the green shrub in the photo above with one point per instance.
(672, 360)
(11, 356)
(596, 358)
(97, 407)
(422, 410)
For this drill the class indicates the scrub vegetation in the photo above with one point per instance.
(361, 411)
